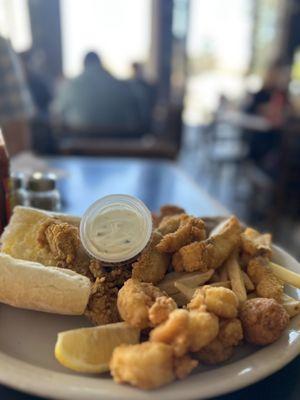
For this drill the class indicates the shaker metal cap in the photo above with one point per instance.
(41, 182)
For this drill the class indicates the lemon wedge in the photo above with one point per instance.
(89, 349)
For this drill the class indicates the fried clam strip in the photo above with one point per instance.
(143, 305)
(188, 230)
(212, 252)
(151, 265)
(255, 243)
(189, 280)
(149, 365)
(236, 277)
(266, 283)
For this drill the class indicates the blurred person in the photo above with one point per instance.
(270, 102)
(96, 99)
(37, 85)
(15, 102)
(145, 93)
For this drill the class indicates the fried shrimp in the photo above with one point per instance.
(186, 331)
(221, 348)
(145, 365)
(266, 283)
(175, 332)
(188, 229)
(209, 253)
(149, 365)
(214, 353)
(136, 299)
(218, 300)
(231, 332)
(151, 265)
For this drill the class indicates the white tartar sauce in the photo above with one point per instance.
(116, 231)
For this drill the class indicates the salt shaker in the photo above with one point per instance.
(42, 192)
(18, 193)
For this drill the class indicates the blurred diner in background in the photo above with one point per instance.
(212, 85)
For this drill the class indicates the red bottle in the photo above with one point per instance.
(4, 185)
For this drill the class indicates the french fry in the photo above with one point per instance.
(291, 305)
(248, 283)
(226, 284)
(194, 279)
(236, 279)
(188, 292)
(185, 280)
(285, 275)
(191, 279)
(223, 274)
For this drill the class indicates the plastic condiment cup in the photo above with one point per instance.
(109, 203)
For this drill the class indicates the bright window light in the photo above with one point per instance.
(118, 29)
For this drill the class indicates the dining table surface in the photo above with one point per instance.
(83, 180)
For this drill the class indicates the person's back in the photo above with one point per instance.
(96, 99)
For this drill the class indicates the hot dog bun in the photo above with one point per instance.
(31, 285)
(20, 237)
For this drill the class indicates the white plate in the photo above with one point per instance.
(27, 362)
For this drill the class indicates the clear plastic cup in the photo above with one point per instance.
(110, 203)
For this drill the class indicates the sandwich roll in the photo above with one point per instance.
(31, 285)
(20, 237)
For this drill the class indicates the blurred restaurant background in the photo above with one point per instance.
(212, 85)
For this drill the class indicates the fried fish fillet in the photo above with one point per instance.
(255, 243)
(266, 283)
(151, 265)
(212, 252)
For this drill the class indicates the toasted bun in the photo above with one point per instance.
(20, 237)
(30, 285)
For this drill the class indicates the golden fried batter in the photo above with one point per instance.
(102, 305)
(221, 348)
(183, 366)
(214, 353)
(266, 283)
(175, 332)
(161, 309)
(145, 365)
(219, 300)
(151, 265)
(62, 240)
(255, 243)
(210, 253)
(188, 230)
(231, 332)
(186, 331)
(171, 223)
(203, 329)
(263, 320)
(136, 299)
